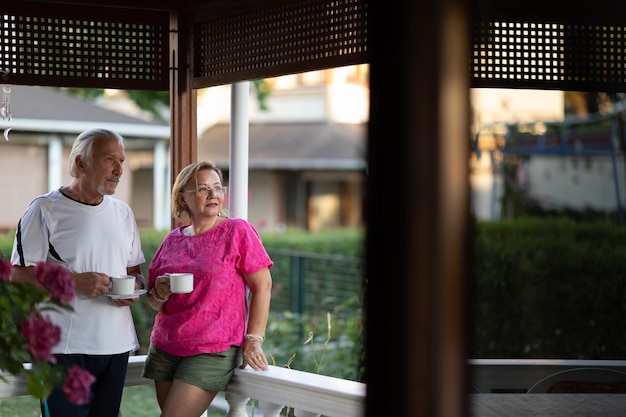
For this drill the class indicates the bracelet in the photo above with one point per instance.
(153, 291)
(254, 337)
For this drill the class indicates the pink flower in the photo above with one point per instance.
(41, 336)
(77, 385)
(56, 280)
(5, 270)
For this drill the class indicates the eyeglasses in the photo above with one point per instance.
(218, 189)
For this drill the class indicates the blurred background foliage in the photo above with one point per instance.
(550, 288)
(541, 287)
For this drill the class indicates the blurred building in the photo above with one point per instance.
(38, 138)
(562, 150)
(308, 136)
(307, 147)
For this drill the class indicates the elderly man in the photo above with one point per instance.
(94, 236)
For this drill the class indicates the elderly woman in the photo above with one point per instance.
(200, 337)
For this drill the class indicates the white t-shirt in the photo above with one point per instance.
(83, 237)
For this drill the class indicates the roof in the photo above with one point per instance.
(42, 109)
(591, 136)
(291, 146)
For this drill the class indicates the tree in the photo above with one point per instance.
(156, 103)
(153, 102)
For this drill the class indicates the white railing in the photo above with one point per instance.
(518, 375)
(306, 393)
(314, 395)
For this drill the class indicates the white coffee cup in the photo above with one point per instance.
(123, 285)
(181, 283)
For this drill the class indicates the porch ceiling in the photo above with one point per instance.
(142, 45)
(165, 5)
(534, 44)
(565, 8)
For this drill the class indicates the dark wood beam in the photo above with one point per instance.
(183, 99)
(417, 235)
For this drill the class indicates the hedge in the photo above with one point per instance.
(549, 288)
(540, 287)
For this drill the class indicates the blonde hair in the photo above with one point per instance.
(186, 176)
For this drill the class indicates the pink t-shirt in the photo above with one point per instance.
(212, 317)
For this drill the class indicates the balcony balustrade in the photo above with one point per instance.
(307, 394)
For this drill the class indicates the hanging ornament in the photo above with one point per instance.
(5, 106)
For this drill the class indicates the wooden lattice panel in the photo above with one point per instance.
(101, 48)
(548, 55)
(278, 38)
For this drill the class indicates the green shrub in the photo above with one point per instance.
(548, 288)
(331, 344)
(6, 244)
(347, 242)
(286, 331)
(540, 288)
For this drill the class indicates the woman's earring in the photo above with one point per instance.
(184, 215)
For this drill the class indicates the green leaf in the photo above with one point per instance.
(35, 386)
(42, 378)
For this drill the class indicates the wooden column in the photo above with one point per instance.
(417, 252)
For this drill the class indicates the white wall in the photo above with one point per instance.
(576, 182)
(264, 200)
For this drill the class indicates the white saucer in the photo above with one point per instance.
(124, 296)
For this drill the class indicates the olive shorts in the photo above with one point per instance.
(210, 371)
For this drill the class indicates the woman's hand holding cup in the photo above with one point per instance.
(162, 286)
(167, 284)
